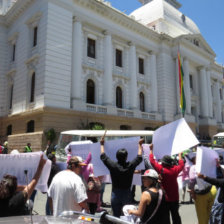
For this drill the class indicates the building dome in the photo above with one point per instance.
(164, 17)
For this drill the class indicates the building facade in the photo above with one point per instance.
(65, 63)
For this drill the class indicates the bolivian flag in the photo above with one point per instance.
(181, 86)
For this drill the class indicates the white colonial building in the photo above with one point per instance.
(68, 62)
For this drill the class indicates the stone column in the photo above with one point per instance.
(187, 85)
(209, 90)
(153, 82)
(133, 78)
(76, 59)
(218, 102)
(108, 80)
(203, 92)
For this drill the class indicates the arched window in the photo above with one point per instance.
(30, 126)
(90, 92)
(32, 89)
(119, 97)
(9, 130)
(11, 96)
(142, 101)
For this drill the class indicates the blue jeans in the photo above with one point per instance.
(119, 198)
(47, 208)
(33, 195)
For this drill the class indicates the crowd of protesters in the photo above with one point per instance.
(77, 188)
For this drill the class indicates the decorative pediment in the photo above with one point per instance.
(12, 39)
(200, 42)
(34, 20)
(32, 62)
(10, 75)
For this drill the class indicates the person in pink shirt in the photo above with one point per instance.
(87, 170)
(93, 196)
(169, 174)
(184, 175)
(69, 155)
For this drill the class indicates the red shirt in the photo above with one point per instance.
(169, 178)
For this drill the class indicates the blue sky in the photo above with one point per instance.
(207, 14)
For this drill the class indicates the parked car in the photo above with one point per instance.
(71, 217)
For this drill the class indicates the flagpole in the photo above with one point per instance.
(178, 53)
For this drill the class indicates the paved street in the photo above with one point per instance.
(187, 212)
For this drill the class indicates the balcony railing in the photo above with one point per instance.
(96, 108)
(148, 116)
(126, 113)
(120, 112)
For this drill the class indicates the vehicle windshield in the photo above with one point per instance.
(218, 141)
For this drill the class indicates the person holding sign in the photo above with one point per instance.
(13, 198)
(203, 194)
(217, 210)
(169, 173)
(121, 175)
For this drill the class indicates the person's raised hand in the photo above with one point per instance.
(217, 162)
(201, 176)
(42, 161)
(141, 141)
(102, 141)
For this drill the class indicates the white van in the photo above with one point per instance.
(95, 135)
(218, 140)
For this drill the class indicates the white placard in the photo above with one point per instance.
(15, 164)
(173, 138)
(111, 147)
(146, 150)
(137, 179)
(79, 148)
(206, 161)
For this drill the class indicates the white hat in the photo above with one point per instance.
(151, 173)
(14, 152)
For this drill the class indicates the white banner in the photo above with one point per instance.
(17, 163)
(111, 147)
(206, 161)
(173, 138)
(80, 148)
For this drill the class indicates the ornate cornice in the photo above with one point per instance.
(118, 17)
(16, 10)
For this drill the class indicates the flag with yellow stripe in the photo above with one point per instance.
(181, 86)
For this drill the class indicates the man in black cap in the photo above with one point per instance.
(169, 173)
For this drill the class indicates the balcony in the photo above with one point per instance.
(96, 108)
(112, 110)
(125, 113)
(148, 116)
